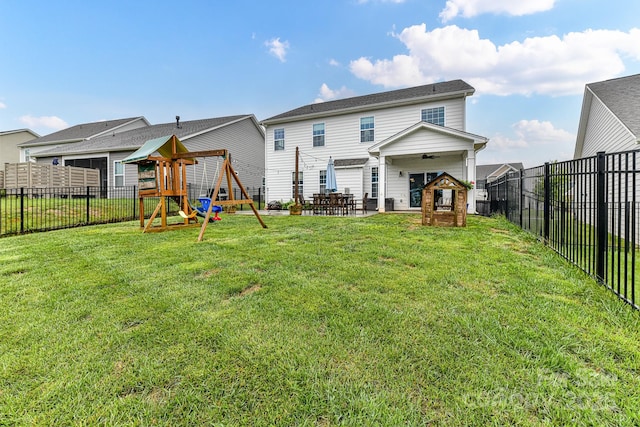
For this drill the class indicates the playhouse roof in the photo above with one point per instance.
(162, 145)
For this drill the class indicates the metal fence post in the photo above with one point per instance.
(21, 210)
(601, 216)
(521, 198)
(88, 207)
(547, 202)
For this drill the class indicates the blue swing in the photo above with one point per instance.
(204, 207)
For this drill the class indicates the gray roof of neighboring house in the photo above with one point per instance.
(380, 100)
(81, 131)
(483, 171)
(622, 97)
(135, 138)
(10, 132)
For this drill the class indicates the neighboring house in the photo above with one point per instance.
(610, 123)
(386, 145)
(81, 132)
(10, 144)
(241, 135)
(610, 117)
(488, 173)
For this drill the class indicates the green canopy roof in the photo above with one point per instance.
(162, 145)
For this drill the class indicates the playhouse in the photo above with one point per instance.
(444, 202)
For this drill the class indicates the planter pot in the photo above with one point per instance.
(295, 209)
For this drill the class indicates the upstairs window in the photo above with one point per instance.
(433, 115)
(318, 135)
(366, 129)
(278, 139)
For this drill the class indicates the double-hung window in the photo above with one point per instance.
(366, 129)
(323, 181)
(278, 139)
(118, 174)
(374, 183)
(318, 135)
(433, 115)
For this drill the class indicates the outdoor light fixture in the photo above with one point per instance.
(400, 174)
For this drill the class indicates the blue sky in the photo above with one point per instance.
(70, 62)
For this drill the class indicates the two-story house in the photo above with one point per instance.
(387, 145)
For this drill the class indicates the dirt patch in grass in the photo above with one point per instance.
(250, 290)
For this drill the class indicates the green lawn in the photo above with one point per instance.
(315, 321)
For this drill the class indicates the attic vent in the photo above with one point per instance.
(178, 122)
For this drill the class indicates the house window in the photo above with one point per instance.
(374, 183)
(118, 174)
(27, 157)
(278, 139)
(433, 115)
(318, 135)
(323, 181)
(366, 129)
(300, 183)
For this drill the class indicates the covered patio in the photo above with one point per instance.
(418, 154)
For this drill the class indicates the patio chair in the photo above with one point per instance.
(305, 205)
(364, 202)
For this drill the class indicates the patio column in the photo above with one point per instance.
(382, 182)
(471, 176)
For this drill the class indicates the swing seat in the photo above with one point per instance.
(204, 207)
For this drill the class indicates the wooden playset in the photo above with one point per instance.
(164, 176)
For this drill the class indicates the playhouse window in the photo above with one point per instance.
(443, 200)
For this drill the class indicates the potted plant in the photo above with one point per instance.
(468, 184)
(295, 209)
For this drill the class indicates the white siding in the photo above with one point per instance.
(398, 186)
(604, 132)
(425, 141)
(342, 141)
(246, 147)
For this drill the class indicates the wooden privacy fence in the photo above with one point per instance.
(1, 179)
(34, 175)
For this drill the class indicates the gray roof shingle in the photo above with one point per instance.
(622, 97)
(80, 132)
(135, 138)
(418, 93)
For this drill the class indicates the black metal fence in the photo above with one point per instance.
(27, 210)
(585, 209)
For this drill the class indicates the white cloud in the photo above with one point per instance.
(544, 65)
(538, 132)
(327, 94)
(2, 105)
(49, 122)
(532, 142)
(277, 48)
(471, 8)
(334, 63)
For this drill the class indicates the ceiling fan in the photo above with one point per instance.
(429, 156)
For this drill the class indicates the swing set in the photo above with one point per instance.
(165, 176)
